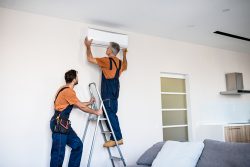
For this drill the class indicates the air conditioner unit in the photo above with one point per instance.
(102, 38)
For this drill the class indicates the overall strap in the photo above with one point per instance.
(118, 69)
(112, 60)
(59, 93)
(110, 63)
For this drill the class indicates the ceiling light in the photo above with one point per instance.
(191, 26)
(225, 10)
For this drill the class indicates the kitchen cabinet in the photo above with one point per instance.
(233, 132)
(247, 132)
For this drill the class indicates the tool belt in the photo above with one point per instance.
(62, 125)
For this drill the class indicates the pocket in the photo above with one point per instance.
(106, 103)
(114, 106)
(52, 124)
(62, 126)
(64, 123)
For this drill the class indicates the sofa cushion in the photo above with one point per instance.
(224, 154)
(179, 154)
(149, 155)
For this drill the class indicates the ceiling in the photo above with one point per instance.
(185, 20)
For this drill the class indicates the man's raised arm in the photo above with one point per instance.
(90, 57)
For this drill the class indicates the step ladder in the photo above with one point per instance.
(99, 122)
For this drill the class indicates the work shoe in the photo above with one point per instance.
(111, 143)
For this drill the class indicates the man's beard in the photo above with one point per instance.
(76, 83)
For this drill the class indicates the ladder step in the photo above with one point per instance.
(107, 132)
(116, 158)
(95, 119)
(92, 119)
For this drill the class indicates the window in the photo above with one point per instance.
(174, 107)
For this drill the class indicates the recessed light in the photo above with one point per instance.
(191, 26)
(225, 10)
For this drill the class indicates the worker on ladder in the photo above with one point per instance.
(62, 132)
(111, 67)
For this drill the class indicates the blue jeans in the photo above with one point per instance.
(111, 106)
(59, 142)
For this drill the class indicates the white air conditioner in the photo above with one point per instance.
(102, 38)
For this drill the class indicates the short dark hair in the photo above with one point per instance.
(70, 76)
(115, 47)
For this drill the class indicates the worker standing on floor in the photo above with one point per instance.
(62, 132)
(111, 67)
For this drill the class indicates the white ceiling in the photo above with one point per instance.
(185, 20)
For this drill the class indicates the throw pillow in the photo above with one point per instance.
(178, 154)
(149, 155)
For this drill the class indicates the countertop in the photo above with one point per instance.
(226, 123)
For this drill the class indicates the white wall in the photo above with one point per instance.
(35, 52)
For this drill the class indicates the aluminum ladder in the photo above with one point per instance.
(99, 121)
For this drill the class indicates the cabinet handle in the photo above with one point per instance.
(233, 128)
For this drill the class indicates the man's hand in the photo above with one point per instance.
(99, 112)
(124, 50)
(88, 42)
(90, 57)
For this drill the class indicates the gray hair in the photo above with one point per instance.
(115, 47)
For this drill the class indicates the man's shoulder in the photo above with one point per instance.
(103, 61)
(116, 59)
(107, 58)
(103, 57)
(67, 91)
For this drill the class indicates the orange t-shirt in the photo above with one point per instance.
(66, 97)
(104, 64)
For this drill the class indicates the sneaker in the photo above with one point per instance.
(112, 143)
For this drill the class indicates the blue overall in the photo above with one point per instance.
(59, 142)
(110, 93)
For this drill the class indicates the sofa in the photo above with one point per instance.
(214, 154)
